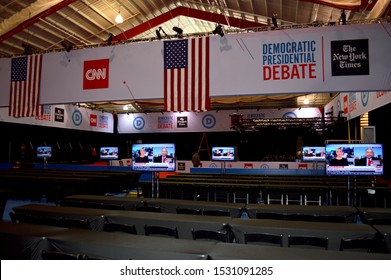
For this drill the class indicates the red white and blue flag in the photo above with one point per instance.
(25, 86)
(186, 75)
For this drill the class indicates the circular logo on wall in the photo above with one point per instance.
(77, 118)
(289, 115)
(138, 123)
(209, 121)
(364, 98)
(320, 167)
(213, 165)
(264, 166)
(339, 107)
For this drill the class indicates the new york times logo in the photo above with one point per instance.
(350, 57)
(58, 114)
(181, 122)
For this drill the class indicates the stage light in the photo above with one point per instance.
(110, 39)
(28, 49)
(179, 31)
(67, 45)
(219, 30)
(158, 34)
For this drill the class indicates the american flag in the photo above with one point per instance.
(25, 86)
(186, 75)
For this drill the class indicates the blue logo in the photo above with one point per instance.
(320, 167)
(138, 123)
(213, 165)
(364, 98)
(264, 166)
(77, 118)
(209, 121)
(289, 115)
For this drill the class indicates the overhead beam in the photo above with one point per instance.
(187, 12)
(35, 19)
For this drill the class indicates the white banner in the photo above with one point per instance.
(354, 104)
(66, 116)
(316, 59)
(201, 122)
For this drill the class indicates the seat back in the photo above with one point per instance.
(101, 205)
(311, 241)
(212, 212)
(270, 215)
(330, 219)
(161, 230)
(263, 238)
(76, 223)
(210, 235)
(300, 217)
(53, 255)
(188, 211)
(357, 244)
(148, 208)
(127, 228)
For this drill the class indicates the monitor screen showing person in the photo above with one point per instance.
(354, 159)
(109, 153)
(153, 157)
(44, 152)
(313, 153)
(224, 153)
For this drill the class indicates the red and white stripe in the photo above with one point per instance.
(187, 89)
(24, 95)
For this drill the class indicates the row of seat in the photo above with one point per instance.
(219, 212)
(144, 208)
(374, 244)
(359, 244)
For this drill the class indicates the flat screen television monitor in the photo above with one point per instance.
(224, 153)
(153, 157)
(313, 153)
(108, 153)
(44, 152)
(355, 159)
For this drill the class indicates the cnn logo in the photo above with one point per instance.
(96, 74)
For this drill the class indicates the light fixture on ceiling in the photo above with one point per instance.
(119, 18)
(306, 101)
(28, 49)
(110, 39)
(67, 45)
(159, 35)
(178, 30)
(219, 30)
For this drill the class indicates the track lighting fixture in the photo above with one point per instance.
(179, 31)
(219, 30)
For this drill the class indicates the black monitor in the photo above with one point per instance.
(354, 159)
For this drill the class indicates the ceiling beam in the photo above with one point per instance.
(187, 12)
(35, 19)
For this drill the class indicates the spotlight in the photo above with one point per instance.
(179, 31)
(28, 49)
(67, 45)
(219, 30)
(159, 35)
(110, 39)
